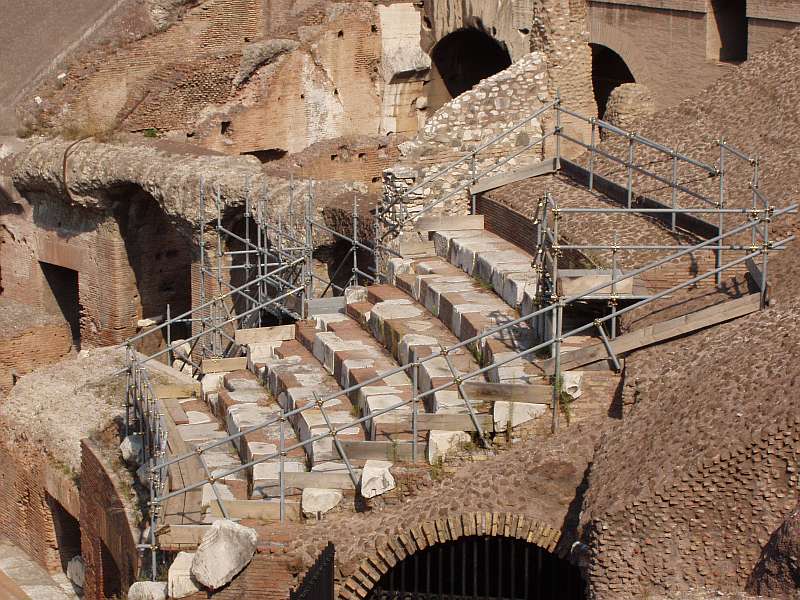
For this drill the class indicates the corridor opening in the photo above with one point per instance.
(482, 567)
(608, 72)
(61, 296)
(461, 60)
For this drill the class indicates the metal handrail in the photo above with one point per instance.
(490, 332)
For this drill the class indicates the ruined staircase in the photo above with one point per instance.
(434, 303)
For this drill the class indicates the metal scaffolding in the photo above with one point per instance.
(277, 264)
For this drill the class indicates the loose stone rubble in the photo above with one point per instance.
(224, 551)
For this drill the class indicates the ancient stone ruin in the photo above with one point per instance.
(382, 299)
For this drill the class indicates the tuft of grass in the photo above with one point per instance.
(564, 400)
(437, 469)
(151, 132)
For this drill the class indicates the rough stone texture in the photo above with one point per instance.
(76, 571)
(550, 56)
(662, 42)
(777, 572)
(710, 445)
(179, 580)
(148, 590)
(376, 479)
(442, 443)
(36, 408)
(250, 76)
(258, 54)
(628, 103)
(224, 551)
(317, 501)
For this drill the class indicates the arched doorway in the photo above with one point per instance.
(460, 60)
(482, 566)
(609, 70)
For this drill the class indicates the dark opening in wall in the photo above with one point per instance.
(159, 254)
(482, 567)
(465, 57)
(68, 531)
(112, 580)
(63, 296)
(608, 71)
(727, 30)
(268, 155)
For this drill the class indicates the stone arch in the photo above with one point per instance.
(390, 551)
(615, 39)
(460, 60)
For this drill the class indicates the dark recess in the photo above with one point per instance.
(465, 57)
(608, 72)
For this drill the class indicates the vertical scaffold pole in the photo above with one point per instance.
(557, 383)
(674, 188)
(472, 174)
(170, 355)
(557, 105)
(202, 275)
(281, 475)
(754, 187)
(591, 156)
(308, 250)
(217, 339)
(613, 300)
(721, 205)
(355, 241)
(631, 142)
(414, 393)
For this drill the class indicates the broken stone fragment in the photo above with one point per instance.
(132, 449)
(180, 582)
(515, 413)
(573, 384)
(224, 551)
(148, 590)
(442, 443)
(76, 571)
(355, 293)
(318, 501)
(376, 478)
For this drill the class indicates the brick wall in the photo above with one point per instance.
(660, 46)
(35, 347)
(26, 517)
(128, 267)
(108, 541)
(507, 223)
(267, 577)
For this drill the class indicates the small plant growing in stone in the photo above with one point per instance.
(150, 133)
(437, 469)
(564, 399)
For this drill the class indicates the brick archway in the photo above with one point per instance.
(615, 39)
(430, 533)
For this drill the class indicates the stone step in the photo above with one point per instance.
(469, 309)
(296, 378)
(203, 427)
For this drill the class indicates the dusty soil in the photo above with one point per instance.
(59, 405)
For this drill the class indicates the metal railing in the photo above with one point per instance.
(549, 309)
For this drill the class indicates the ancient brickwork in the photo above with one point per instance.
(33, 488)
(31, 339)
(652, 41)
(557, 61)
(705, 528)
(108, 539)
